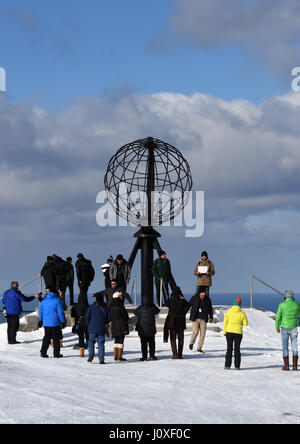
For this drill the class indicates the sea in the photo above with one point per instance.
(266, 301)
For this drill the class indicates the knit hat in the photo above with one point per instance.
(204, 253)
(238, 301)
(289, 294)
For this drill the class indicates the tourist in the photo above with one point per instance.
(161, 270)
(204, 271)
(201, 312)
(12, 307)
(234, 321)
(85, 275)
(105, 270)
(97, 317)
(80, 328)
(146, 328)
(175, 323)
(120, 271)
(287, 319)
(114, 291)
(52, 318)
(119, 327)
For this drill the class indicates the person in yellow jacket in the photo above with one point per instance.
(233, 323)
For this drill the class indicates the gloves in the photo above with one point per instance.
(4, 312)
(63, 325)
(40, 324)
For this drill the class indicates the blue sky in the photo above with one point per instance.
(85, 78)
(53, 51)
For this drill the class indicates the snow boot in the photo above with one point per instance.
(286, 366)
(90, 358)
(81, 350)
(116, 352)
(120, 354)
(295, 363)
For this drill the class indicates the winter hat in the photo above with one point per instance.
(204, 253)
(238, 301)
(289, 294)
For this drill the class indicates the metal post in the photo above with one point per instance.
(160, 293)
(251, 291)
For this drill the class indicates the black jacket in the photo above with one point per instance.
(201, 309)
(49, 273)
(85, 271)
(119, 319)
(61, 270)
(109, 292)
(145, 325)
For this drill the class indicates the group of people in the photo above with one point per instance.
(108, 316)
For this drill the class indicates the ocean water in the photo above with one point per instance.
(267, 301)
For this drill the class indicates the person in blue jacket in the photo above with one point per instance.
(12, 308)
(52, 318)
(96, 317)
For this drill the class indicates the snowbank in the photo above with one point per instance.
(194, 390)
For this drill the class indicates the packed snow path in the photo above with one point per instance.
(196, 389)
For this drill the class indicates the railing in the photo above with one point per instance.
(32, 280)
(265, 284)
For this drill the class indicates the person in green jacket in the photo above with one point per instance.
(287, 318)
(161, 269)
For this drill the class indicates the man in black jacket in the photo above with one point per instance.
(61, 269)
(85, 275)
(113, 292)
(48, 272)
(201, 310)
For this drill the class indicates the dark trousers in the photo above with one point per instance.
(83, 295)
(70, 286)
(51, 333)
(119, 339)
(83, 334)
(13, 323)
(145, 342)
(177, 352)
(233, 340)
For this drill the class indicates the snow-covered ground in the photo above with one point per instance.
(196, 389)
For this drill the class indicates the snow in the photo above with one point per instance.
(196, 389)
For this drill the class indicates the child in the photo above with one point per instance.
(97, 316)
(146, 329)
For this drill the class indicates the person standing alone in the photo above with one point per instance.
(287, 319)
(233, 323)
(204, 271)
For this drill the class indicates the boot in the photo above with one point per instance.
(120, 355)
(295, 363)
(116, 352)
(81, 350)
(286, 366)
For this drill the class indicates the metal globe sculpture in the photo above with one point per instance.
(146, 182)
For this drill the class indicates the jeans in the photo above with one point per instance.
(93, 337)
(292, 334)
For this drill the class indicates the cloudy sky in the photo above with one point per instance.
(213, 78)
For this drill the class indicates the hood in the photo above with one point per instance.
(51, 295)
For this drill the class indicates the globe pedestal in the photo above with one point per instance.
(146, 242)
